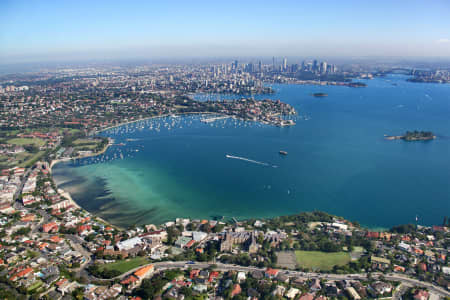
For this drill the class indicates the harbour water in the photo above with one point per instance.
(338, 161)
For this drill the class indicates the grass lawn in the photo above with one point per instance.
(90, 147)
(33, 159)
(358, 249)
(35, 285)
(26, 141)
(69, 130)
(126, 264)
(86, 141)
(321, 260)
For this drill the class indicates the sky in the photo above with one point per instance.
(40, 30)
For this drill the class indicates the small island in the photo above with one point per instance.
(320, 95)
(413, 136)
(357, 84)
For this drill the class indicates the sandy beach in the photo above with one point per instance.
(67, 194)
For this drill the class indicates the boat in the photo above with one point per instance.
(283, 152)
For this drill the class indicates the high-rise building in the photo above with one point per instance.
(235, 65)
(323, 67)
(249, 68)
(315, 66)
(273, 63)
(334, 70)
(284, 64)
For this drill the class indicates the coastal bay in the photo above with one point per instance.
(338, 161)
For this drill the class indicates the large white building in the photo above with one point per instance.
(129, 244)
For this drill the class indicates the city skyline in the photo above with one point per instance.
(48, 31)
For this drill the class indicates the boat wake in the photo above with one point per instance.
(251, 161)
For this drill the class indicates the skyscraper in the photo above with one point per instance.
(323, 67)
(235, 65)
(284, 64)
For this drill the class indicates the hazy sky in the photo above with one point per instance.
(63, 29)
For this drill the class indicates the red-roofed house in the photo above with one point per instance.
(84, 229)
(24, 273)
(418, 251)
(61, 282)
(423, 267)
(421, 295)
(213, 275)
(131, 281)
(271, 273)
(28, 218)
(194, 273)
(52, 226)
(399, 269)
(373, 234)
(236, 290)
(144, 271)
(190, 243)
(56, 239)
(406, 238)
(307, 296)
(439, 228)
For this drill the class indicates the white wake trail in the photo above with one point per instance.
(250, 160)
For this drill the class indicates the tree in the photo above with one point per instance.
(172, 234)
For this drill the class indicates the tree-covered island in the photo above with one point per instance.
(414, 136)
(320, 94)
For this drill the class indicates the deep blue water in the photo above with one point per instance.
(338, 161)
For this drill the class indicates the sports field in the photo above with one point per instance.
(125, 265)
(26, 141)
(317, 260)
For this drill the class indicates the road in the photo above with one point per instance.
(406, 281)
(22, 183)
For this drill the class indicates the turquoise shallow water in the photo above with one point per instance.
(338, 161)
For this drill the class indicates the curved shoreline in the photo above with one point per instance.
(54, 162)
(67, 195)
